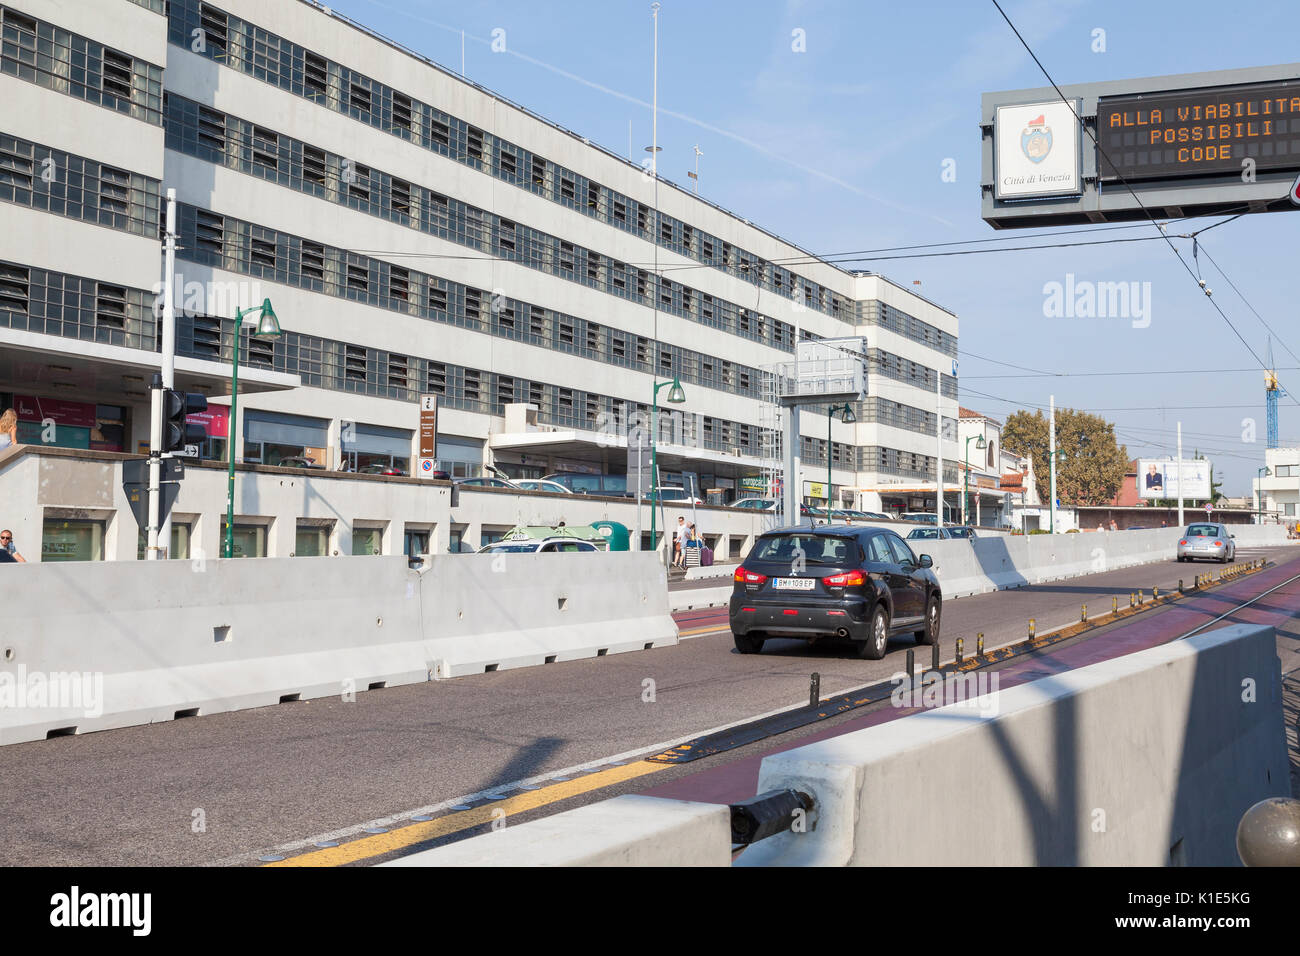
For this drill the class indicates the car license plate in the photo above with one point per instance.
(794, 584)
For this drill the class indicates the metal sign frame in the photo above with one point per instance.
(1111, 201)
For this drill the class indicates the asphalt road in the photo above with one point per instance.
(226, 787)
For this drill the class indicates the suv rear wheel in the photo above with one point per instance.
(748, 643)
(873, 648)
(930, 633)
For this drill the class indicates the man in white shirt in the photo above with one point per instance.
(679, 542)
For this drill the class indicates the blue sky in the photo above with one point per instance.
(841, 147)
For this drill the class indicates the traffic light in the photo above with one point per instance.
(177, 432)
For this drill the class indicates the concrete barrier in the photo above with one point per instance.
(694, 599)
(97, 645)
(630, 830)
(493, 612)
(1146, 760)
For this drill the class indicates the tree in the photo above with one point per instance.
(1093, 465)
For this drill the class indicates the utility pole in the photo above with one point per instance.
(696, 175)
(1179, 479)
(159, 527)
(938, 439)
(1051, 457)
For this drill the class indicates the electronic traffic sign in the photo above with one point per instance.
(1162, 147)
(1200, 132)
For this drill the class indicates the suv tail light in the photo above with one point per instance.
(743, 576)
(846, 580)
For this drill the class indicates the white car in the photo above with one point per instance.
(541, 484)
(538, 546)
(675, 495)
(755, 504)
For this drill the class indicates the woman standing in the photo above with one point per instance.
(8, 429)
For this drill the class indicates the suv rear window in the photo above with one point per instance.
(817, 548)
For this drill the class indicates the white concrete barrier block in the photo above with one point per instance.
(631, 830)
(1148, 759)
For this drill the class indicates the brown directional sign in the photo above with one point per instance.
(428, 434)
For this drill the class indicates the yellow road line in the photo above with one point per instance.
(381, 843)
(703, 630)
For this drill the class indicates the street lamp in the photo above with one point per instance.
(267, 328)
(1261, 474)
(1055, 456)
(848, 418)
(980, 445)
(675, 397)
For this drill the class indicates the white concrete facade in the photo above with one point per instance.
(350, 355)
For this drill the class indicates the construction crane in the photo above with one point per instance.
(1271, 392)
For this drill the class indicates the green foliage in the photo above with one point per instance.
(1092, 467)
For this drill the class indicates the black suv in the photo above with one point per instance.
(834, 580)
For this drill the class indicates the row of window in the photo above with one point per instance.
(53, 303)
(892, 461)
(237, 246)
(210, 31)
(207, 134)
(157, 6)
(875, 312)
(67, 185)
(68, 63)
(910, 373)
(347, 367)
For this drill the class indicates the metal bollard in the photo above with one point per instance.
(1031, 628)
(1132, 600)
(934, 656)
(1083, 615)
(911, 666)
(814, 689)
(979, 644)
(1114, 605)
(767, 815)
(1180, 585)
(1269, 833)
(1155, 594)
(959, 646)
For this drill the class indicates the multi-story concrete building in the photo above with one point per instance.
(1276, 496)
(415, 233)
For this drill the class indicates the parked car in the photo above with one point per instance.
(674, 495)
(541, 484)
(925, 517)
(932, 534)
(858, 583)
(380, 470)
(961, 531)
(1203, 540)
(530, 539)
(755, 504)
(297, 461)
(580, 483)
(486, 483)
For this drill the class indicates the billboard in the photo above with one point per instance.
(1158, 478)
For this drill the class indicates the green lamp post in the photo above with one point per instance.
(676, 396)
(267, 328)
(1260, 475)
(847, 418)
(980, 445)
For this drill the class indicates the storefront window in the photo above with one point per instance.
(311, 542)
(249, 540)
(367, 541)
(72, 540)
(375, 449)
(180, 547)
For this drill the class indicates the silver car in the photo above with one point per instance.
(1211, 542)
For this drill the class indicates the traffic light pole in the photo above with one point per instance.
(168, 334)
(155, 465)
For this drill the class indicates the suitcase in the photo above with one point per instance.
(706, 557)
